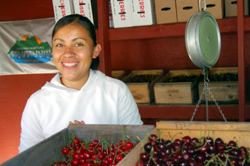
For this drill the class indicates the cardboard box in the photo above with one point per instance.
(223, 91)
(122, 15)
(231, 8)
(84, 8)
(143, 12)
(185, 9)
(62, 8)
(177, 92)
(165, 11)
(237, 131)
(215, 7)
(111, 23)
(48, 149)
(143, 92)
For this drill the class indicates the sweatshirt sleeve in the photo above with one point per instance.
(127, 107)
(31, 130)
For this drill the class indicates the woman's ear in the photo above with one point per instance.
(97, 51)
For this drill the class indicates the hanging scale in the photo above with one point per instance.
(203, 44)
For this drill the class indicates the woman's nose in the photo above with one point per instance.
(69, 51)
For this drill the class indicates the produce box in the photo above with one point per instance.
(122, 14)
(141, 84)
(237, 131)
(143, 12)
(185, 9)
(215, 7)
(231, 8)
(177, 92)
(165, 11)
(47, 150)
(119, 74)
(224, 91)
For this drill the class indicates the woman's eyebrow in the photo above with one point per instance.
(58, 39)
(79, 38)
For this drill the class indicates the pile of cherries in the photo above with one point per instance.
(93, 153)
(142, 78)
(189, 151)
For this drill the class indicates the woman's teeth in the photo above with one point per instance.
(69, 64)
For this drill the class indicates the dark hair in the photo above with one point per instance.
(84, 22)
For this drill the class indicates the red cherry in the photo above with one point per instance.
(65, 150)
(82, 160)
(100, 156)
(140, 163)
(118, 157)
(86, 155)
(110, 159)
(153, 137)
(75, 162)
(76, 140)
(186, 140)
(231, 143)
(76, 155)
(129, 145)
(144, 156)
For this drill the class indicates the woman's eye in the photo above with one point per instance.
(79, 44)
(59, 45)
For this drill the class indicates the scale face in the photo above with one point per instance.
(203, 40)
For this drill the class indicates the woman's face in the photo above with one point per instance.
(72, 51)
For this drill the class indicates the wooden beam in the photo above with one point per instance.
(103, 25)
(241, 59)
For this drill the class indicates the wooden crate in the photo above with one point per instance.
(143, 92)
(237, 131)
(119, 74)
(177, 92)
(224, 92)
(47, 149)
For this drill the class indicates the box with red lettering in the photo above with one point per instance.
(143, 12)
(121, 11)
(84, 8)
(111, 24)
(62, 8)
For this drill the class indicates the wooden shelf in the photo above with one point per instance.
(226, 25)
(115, 38)
(178, 112)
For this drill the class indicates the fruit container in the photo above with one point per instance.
(223, 84)
(178, 87)
(119, 74)
(227, 131)
(48, 149)
(141, 84)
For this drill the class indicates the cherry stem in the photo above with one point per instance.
(160, 134)
(174, 135)
(123, 131)
(150, 136)
(152, 153)
(220, 160)
(143, 150)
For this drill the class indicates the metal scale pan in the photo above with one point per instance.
(202, 39)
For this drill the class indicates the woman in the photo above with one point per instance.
(79, 93)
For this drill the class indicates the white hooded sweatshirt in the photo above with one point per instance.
(102, 100)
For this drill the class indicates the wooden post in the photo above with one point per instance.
(103, 25)
(241, 59)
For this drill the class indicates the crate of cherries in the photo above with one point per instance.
(141, 84)
(196, 144)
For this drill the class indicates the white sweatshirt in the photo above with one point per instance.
(102, 100)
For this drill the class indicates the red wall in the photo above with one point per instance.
(15, 90)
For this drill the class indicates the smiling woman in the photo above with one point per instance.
(79, 92)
